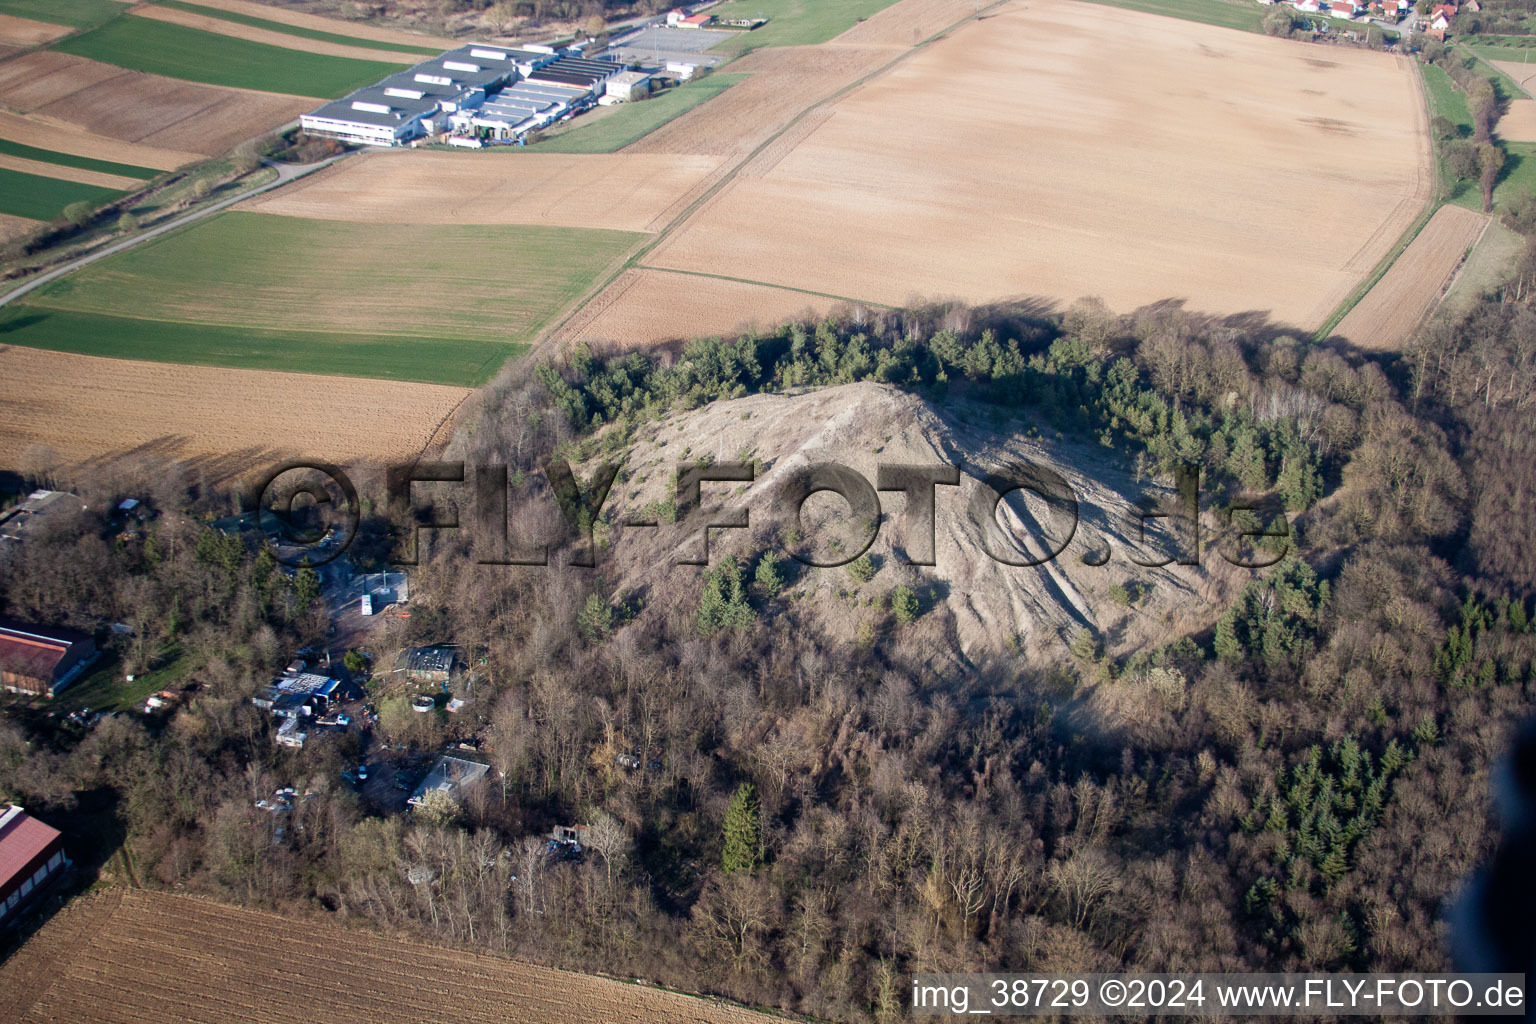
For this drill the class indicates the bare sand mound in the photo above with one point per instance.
(620, 191)
(1133, 156)
(863, 425)
(1390, 312)
(136, 955)
(222, 421)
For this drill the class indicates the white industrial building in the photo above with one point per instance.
(422, 100)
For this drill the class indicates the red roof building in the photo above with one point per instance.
(1449, 10)
(39, 661)
(31, 856)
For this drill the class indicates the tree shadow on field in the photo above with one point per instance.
(12, 325)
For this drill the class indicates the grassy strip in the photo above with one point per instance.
(633, 121)
(161, 48)
(793, 22)
(422, 50)
(424, 360)
(107, 689)
(39, 198)
(1517, 54)
(1506, 85)
(1246, 17)
(85, 163)
(74, 13)
(1377, 273)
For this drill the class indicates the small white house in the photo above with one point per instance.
(629, 85)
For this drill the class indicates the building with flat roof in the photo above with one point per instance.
(31, 858)
(21, 519)
(427, 664)
(629, 85)
(417, 102)
(40, 661)
(450, 775)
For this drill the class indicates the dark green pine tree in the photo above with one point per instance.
(743, 832)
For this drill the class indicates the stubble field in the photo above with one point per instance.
(1386, 317)
(219, 421)
(1125, 155)
(26, 32)
(1518, 124)
(621, 192)
(143, 956)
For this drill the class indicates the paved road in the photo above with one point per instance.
(285, 174)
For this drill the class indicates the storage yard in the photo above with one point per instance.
(165, 957)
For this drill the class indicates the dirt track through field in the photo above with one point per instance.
(219, 26)
(62, 137)
(26, 32)
(162, 957)
(165, 113)
(617, 191)
(1392, 310)
(1136, 157)
(356, 29)
(222, 421)
(646, 306)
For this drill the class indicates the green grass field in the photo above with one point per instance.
(1512, 53)
(40, 198)
(105, 687)
(1247, 16)
(794, 22)
(632, 121)
(176, 51)
(422, 50)
(1445, 99)
(424, 360)
(439, 304)
(74, 13)
(85, 163)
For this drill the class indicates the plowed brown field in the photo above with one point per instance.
(1131, 156)
(136, 107)
(15, 227)
(1519, 122)
(207, 23)
(644, 307)
(356, 29)
(225, 421)
(1388, 314)
(617, 191)
(142, 956)
(1523, 74)
(61, 137)
(26, 32)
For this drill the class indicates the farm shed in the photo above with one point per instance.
(16, 522)
(450, 775)
(426, 664)
(629, 85)
(39, 661)
(31, 856)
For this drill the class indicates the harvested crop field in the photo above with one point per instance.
(144, 956)
(619, 191)
(644, 307)
(163, 113)
(901, 24)
(26, 32)
(1131, 156)
(236, 30)
(1388, 314)
(59, 137)
(222, 421)
(356, 29)
(1523, 74)
(781, 82)
(1519, 122)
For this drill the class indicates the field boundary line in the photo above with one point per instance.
(551, 331)
(762, 284)
(1432, 205)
